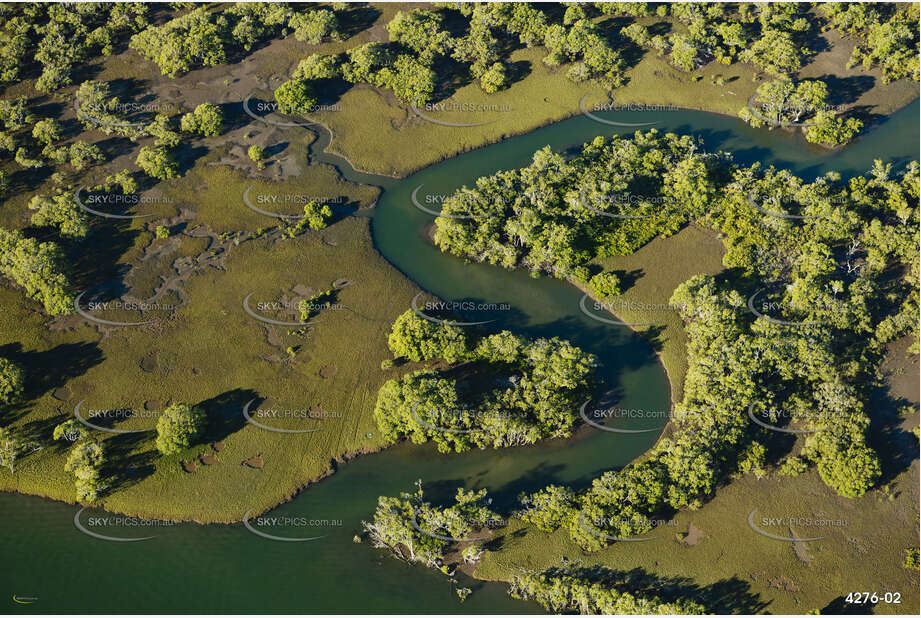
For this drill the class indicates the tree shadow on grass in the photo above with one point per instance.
(845, 90)
(356, 18)
(653, 335)
(42, 431)
(187, 156)
(225, 413)
(840, 607)
(898, 448)
(48, 370)
(727, 596)
(517, 71)
(96, 258)
(628, 278)
(125, 464)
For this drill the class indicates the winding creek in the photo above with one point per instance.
(217, 568)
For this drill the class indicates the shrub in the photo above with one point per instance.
(207, 119)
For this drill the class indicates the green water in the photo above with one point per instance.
(200, 569)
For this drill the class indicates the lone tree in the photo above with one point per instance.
(71, 430)
(11, 447)
(257, 155)
(207, 119)
(178, 428)
(157, 163)
(85, 461)
(12, 379)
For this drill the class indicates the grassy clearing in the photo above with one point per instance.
(863, 553)
(210, 352)
(657, 269)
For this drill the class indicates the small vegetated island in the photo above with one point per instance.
(497, 390)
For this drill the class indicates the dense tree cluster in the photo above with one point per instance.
(785, 103)
(62, 212)
(421, 46)
(538, 387)
(581, 591)
(61, 36)
(35, 142)
(38, 268)
(554, 215)
(414, 530)
(206, 37)
(820, 251)
(887, 35)
(770, 35)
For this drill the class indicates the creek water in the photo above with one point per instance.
(51, 567)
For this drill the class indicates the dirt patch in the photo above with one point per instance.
(328, 371)
(149, 363)
(801, 551)
(62, 394)
(254, 462)
(693, 536)
(207, 459)
(189, 466)
(784, 584)
(218, 446)
(304, 291)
